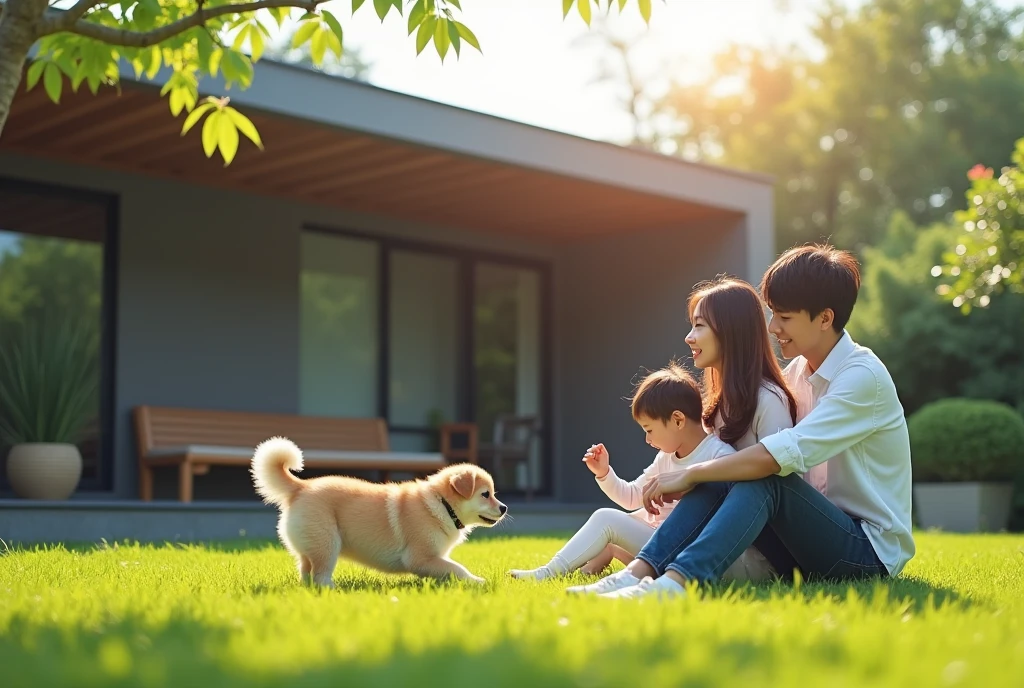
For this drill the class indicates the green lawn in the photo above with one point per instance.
(235, 615)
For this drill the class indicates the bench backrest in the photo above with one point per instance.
(161, 426)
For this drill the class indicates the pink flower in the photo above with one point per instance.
(979, 172)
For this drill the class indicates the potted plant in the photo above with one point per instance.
(48, 394)
(966, 454)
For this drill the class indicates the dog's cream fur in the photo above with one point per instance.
(393, 527)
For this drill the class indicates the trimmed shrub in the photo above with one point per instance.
(966, 440)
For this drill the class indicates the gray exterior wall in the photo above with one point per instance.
(207, 311)
(621, 309)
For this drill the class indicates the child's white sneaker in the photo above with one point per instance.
(540, 573)
(663, 587)
(616, 581)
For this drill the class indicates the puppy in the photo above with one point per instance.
(408, 527)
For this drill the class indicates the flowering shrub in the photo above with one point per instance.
(989, 256)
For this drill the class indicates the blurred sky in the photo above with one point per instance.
(533, 70)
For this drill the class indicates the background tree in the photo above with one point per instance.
(900, 98)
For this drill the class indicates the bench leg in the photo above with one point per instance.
(145, 482)
(185, 482)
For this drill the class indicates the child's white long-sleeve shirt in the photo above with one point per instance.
(629, 495)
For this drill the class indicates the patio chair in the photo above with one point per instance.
(512, 442)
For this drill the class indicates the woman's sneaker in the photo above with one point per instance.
(616, 581)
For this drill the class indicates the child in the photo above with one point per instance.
(668, 406)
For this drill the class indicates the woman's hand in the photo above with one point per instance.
(665, 489)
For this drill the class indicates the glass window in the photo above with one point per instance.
(507, 357)
(423, 339)
(338, 348)
(51, 273)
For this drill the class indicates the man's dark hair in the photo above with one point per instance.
(812, 278)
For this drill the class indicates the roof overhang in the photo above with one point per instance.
(346, 144)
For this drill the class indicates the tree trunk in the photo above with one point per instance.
(19, 29)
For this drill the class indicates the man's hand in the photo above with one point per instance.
(665, 489)
(597, 460)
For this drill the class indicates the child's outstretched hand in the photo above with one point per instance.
(597, 460)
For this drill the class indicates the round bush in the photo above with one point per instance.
(966, 440)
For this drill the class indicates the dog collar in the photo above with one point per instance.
(451, 512)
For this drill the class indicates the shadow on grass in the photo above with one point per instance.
(181, 652)
(913, 593)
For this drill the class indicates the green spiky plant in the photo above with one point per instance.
(48, 383)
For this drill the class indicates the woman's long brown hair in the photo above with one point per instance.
(733, 311)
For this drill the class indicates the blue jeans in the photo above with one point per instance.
(793, 525)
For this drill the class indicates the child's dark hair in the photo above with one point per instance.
(670, 389)
(812, 278)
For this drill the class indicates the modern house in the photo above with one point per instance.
(384, 256)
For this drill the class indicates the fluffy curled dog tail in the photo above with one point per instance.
(272, 465)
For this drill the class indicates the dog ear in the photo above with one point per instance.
(464, 483)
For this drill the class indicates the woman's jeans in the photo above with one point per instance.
(793, 525)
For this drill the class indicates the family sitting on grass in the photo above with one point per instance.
(770, 471)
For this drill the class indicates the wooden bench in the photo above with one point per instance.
(195, 439)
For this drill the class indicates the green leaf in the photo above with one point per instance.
(280, 14)
(333, 44)
(215, 60)
(256, 43)
(382, 7)
(240, 68)
(453, 36)
(34, 72)
(52, 81)
(211, 132)
(195, 116)
(244, 125)
(177, 100)
(416, 15)
(80, 73)
(425, 33)
(335, 25)
(156, 58)
(455, 3)
(584, 9)
(319, 47)
(240, 38)
(204, 49)
(227, 136)
(441, 40)
(566, 6)
(622, 5)
(304, 33)
(467, 35)
(356, 4)
(645, 10)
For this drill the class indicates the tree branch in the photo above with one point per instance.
(143, 39)
(78, 10)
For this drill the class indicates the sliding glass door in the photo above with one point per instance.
(421, 335)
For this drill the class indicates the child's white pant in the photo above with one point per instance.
(631, 532)
(605, 527)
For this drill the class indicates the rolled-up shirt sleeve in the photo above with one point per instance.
(844, 416)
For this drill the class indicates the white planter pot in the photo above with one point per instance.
(41, 470)
(963, 507)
